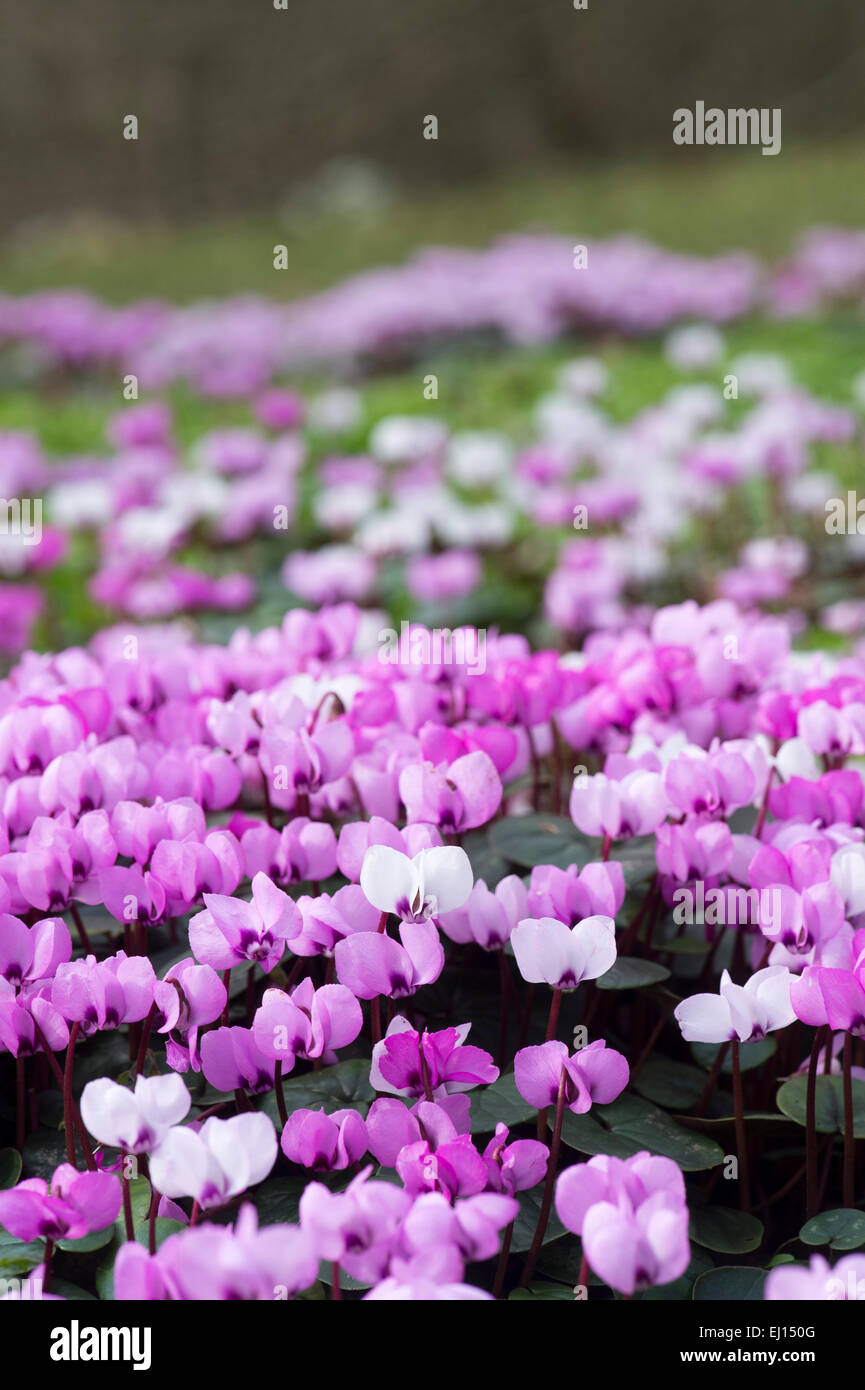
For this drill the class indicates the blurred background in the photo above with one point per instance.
(304, 125)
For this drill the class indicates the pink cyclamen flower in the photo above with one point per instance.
(595, 1074)
(230, 931)
(216, 1162)
(632, 1218)
(548, 952)
(71, 1206)
(487, 917)
(103, 994)
(372, 963)
(515, 1167)
(232, 1061)
(569, 895)
(743, 1012)
(32, 953)
(636, 805)
(819, 1282)
(458, 797)
(306, 1023)
(360, 1227)
(325, 1142)
(189, 996)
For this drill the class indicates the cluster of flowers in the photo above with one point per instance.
(148, 790)
(446, 507)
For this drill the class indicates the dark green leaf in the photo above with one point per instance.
(673, 1084)
(730, 1284)
(630, 972)
(10, 1167)
(829, 1108)
(631, 1124)
(751, 1055)
(500, 1103)
(725, 1230)
(540, 839)
(840, 1230)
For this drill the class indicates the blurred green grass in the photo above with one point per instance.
(715, 201)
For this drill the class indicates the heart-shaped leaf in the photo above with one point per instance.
(842, 1229)
(540, 839)
(630, 972)
(500, 1103)
(730, 1284)
(631, 1124)
(725, 1230)
(829, 1104)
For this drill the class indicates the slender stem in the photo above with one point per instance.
(849, 1184)
(145, 1038)
(81, 929)
(46, 1264)
(505, 1000)
(226, 980)
(61, 1081)
(552, 1021)
(151, 1221)
(712, 1079)
(375, 1020)
(758, 828)
(67, 1096)
(547, 1201)
(424, 1068)
(605, 848)
(196, 1210)
(739, 1113)
(20, 1104)
(501, 1268)
(811, 1127)
(280, 1094)
(127, 1199)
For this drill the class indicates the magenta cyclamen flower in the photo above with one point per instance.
(304, 851)
(406, 1063)
(595, 1074)
(325, 1142)
(306, 1023)
(229, 931)
(743, 1012)
(548, 952)
(359, 1228)
(71, 1206)
(632, 1218)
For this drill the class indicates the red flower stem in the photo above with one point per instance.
(501, 1268)
(758, 828)
(61, 1081)
(849, 1183)
(20, 1104)
(503, 1020)
(739, 1114)
(546, 1204)
(81, 929)
(811, 1127)
(375, 1020)
(280, 1094)
(145, 1038)
(226, 980)
(67, 1096)
(127, 1199)
(552, 1021)
(605, 848)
